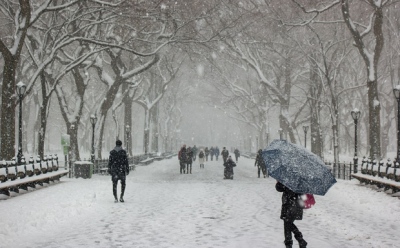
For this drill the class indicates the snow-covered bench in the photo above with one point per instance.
(378, 181)
(381, 174)
(15, 177)
(146, 161)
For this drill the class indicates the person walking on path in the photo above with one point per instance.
(118, 167)
(201, 158)
(216, 153)
(207, 152)
(260, 164)
(182, 159)
(224, 154)
(237, 154)
(291, 211)
(212, 153)
(189, 154)
(194, 149)
(228, 171)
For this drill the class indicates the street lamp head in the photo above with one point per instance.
(21, 88)
(305, 128)
(396, 92)
(127, 128)
(355, 114)
(93, 119)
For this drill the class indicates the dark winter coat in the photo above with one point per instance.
(118, 165)
(206, 151)
(229, 164)
(212, 151)
(291, 210)
(189, 156)
(182, 155)
(216, 151)
(194, 149)
(237, 153)
(225, 153)
(259, 160)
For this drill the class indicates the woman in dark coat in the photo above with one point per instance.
(118, 167)
(291, 211)
(260, 164)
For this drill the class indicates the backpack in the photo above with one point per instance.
(306, 201)
(201, 155)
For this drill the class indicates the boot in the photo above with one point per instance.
(288, 244)
(115, 195)
(299, 238)
(121, 198)
(302, 243)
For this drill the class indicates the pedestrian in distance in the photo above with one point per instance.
(212, 153)
(195, 150)
(216, 153)
(189, 154)
(118, 168)
(228, 171)
(182, 159)
(237, 154)
(224, 154)
(291, 211)
(201, 158)
(260, 164)
(207, 152)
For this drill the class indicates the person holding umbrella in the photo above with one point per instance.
(298, 172)
(291, 211)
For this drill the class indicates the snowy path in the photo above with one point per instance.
(166, 209)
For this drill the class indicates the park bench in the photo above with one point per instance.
(15, 177)
(383, 175)
(146, 161)
(169, 156)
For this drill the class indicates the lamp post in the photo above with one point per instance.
(305, 129)
(127, 128)
(93, 120)
(280, 130)
(355, 114)
(21, 87)
(396, 92)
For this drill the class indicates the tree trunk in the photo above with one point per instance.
(8, 104)
(374, 119)
(128, 121)
(43, 116)
(315, 107)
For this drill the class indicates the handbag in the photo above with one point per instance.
(306, 201)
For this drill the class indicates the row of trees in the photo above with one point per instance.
(127, 51)
(294, 63)
(307, 63)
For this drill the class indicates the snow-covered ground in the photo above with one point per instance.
(166, 209)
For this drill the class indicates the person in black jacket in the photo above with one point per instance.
(237, 154)
(216, 152)
(189, 160)
(260, 164)
(207, 152)
(291, 211)
(118, 167)
(182, 159)
(224, 154)
(228, 171)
